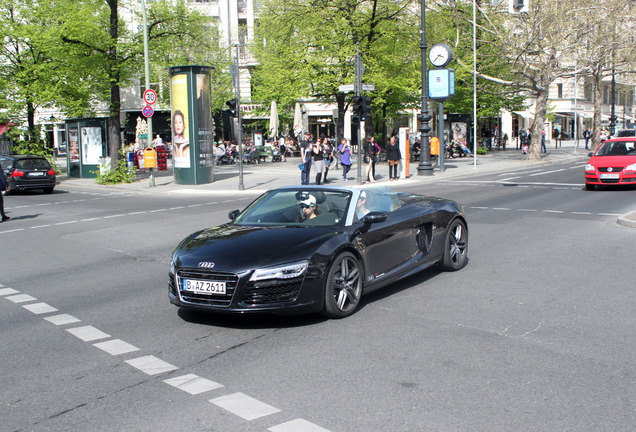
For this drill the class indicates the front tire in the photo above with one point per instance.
(456, 248)
(343, 287)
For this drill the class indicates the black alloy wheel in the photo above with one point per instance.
(456, 248)
(343, 287)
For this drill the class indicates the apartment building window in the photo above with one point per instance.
(560, 91)
(587, 91)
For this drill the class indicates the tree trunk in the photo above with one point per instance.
(596, 122)
(114, 136)
(541, 105)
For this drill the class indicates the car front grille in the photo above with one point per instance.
(613, 169)
(272, 291)
(230, 279)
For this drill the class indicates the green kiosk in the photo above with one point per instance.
(87, 146)
(192, 125)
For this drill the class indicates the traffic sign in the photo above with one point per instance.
(345, 88)
(150, 97)
(148, 111)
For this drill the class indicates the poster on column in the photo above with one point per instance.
(91, 145)
(180, 119)
(205, 121)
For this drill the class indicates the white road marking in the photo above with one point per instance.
(298, 425)
(193, 384)
(62, 319)
(90, 219)
(151, 365)
(87, 333)
(244, 406)
(581, 213)
(113, 216)
(12, 231)
(39, 308)
(527, 210)
(116, 347)
(546, 172)
(501, 208)
(20, 298)
(553, 211)
(7, 291)
(66, 222)
(41, 226)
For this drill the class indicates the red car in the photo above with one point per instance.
(613, 164)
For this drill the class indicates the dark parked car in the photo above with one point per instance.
(315, 249)
(28, 172)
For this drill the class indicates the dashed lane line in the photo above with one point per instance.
(120, 215)
(580, 213)
(239, 404)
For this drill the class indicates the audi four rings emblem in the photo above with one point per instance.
(206, 264)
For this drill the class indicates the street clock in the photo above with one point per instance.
(440, 55)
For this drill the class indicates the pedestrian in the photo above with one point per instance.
(327, 153)
(543, 148)
(587, 135)
(305, 156)
(393, 156)
(368, 161)
(345, 157)
(319, 160)
(157, 141)
(375, 154)
(4, 186)
(605, 135)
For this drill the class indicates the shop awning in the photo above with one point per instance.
(5, 127)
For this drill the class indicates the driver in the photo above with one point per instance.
(308, 209)
(361, 209)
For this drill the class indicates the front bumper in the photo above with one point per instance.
(282, 297)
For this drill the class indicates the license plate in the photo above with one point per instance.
(36, 174)
(203, 286)
(610, 176)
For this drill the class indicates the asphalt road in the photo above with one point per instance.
(536, 333)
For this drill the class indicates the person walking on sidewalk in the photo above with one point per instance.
(4, 186)
(345, 157)
(305, 155)
(368, 161)
(319, 160)
(587, 135)
(394, 156)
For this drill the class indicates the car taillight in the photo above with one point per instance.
(51, 172)
(17, 173)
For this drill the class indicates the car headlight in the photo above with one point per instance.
(287, 271)
(631, 167)
(590, 168)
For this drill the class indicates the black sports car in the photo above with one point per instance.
(315, 249)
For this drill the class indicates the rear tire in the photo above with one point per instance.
(48, 190)
(343, 287)
(456, 247)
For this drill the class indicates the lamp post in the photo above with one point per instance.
(425, 167)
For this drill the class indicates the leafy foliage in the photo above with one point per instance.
(119, 174)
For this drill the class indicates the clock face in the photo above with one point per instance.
(440, 55)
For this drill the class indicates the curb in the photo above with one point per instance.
(627, 220)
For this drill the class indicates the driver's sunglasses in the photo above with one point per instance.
(304, 206)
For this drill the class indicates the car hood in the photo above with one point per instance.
(237, 248)
(612, 161)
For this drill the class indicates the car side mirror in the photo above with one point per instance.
(233, 214)
(374, 217)
(590, 154)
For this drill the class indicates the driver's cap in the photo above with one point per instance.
(309, 201)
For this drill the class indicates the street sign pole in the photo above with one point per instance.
(237, 90)
(147, 76)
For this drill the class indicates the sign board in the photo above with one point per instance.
(441, 84)
(150, 97)
(148, 111)
(345, 88)
(368, 87)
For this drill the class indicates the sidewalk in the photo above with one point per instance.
(264, 176)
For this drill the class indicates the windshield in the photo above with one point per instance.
(31, 164)
(297, 207)
(617, 148)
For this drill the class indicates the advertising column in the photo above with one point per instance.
(192, 139)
